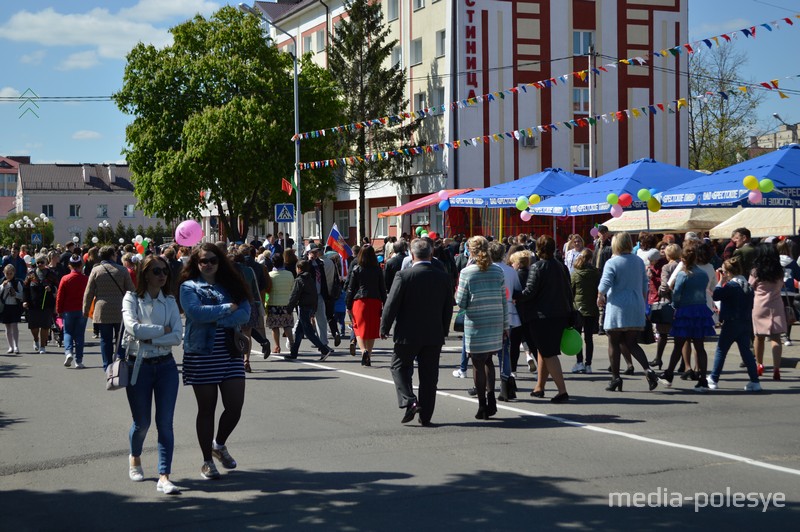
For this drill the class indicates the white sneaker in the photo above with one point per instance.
(752, 387)
(166, 487)
(712, 384)
(787, 342)
(457, 373)
(288, 345)
(135, 473)
(79, 365)
(588, 370)
(68, 360)
(10, 350)
(35, 347)
(16, 350)
(42, 351)
(579, 368)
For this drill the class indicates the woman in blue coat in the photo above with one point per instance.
(623, 291)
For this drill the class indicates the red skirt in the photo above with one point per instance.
(367, 318)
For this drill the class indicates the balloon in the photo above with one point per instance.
(433, 235)
(654, 205)
(419, 230)
(754, 196)
(616, 211)
(643, 194)
(522, 203)
(139, 248)
(121, 240)
(380, 258)
(571, 342)
(442, 195)
(423, 234)
(653, 192)
(75, 239)
(526, 216)
(625, 199)
(138, 239)
(612, 199)
(444, 205)
(188, 233)
(594, 232)
(95, 240)
(750, 182)
(766, 185)
(534, 199)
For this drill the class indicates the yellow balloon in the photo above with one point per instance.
(534, 199)
(653, 205)
(750, 182)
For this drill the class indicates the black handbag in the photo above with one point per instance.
(662, 312)
(236, 341)
(458, 324)
(646, 336)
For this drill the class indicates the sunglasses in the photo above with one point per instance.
(211, 260)
(39, 262)
(159, 271)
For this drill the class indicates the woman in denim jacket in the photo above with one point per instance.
(214, 297)
(736, 310)
(153, 324)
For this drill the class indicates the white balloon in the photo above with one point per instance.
(139, 239)
(121, 240)
(75, 239)
(95, 240)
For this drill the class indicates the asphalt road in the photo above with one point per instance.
(320, 446)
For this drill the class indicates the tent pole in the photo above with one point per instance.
(647, 214)
(500, 238)
(555, 235)
(794, 220)
(470, 224)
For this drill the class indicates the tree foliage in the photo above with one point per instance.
(213, 119)
(718, 127)
(9, 236)
(358, 58)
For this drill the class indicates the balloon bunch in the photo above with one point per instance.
(523, 203)
(618, 202)
(141, 244)
(757, 188)
(444, 201)
(421, 232)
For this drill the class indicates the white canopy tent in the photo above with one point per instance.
(677, 220)
(761, 222)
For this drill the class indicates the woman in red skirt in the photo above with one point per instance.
(366, 293)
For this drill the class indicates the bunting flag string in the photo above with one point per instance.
(675, 51)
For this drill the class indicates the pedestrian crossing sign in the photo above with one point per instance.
(36, 239)
(284, 212)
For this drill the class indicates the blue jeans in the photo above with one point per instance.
(303, 328)
(74, 330)
(463, 365)
(108, 332)
(159, 381)
(739, 332)
(504, 358)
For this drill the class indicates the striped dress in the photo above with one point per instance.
(213, 368)
(482, 296)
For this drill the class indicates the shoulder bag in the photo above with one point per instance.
(458, 324)
(236, 341)
(662, 312)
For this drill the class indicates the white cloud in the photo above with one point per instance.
(160, 10)
(33, 58)
(718, 27)
(9, 92)
(85, 134)
(80, 60)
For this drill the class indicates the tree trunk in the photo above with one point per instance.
(362, 209)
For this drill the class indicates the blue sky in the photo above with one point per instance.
(78, 47)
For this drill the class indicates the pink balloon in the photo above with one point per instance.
(594, 232)
(526, 216)
(754, 196)
(442, 195)
(188, 233)
(616, 210)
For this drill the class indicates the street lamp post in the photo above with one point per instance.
(102, 228)
(245, 8)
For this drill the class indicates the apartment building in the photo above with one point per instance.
(463, 50)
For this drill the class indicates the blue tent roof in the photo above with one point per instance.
(546, 183)
(590, 198)
(724, 187)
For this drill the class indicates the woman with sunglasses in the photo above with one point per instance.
(39, 301)
(152, 326)
(214, 296)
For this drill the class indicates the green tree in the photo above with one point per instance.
(213, 119)
(9, 235)
(370, 88)
(718, 127)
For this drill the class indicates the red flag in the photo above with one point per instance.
(286, 186)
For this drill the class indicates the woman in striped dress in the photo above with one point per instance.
(214, 297)
(481, 296)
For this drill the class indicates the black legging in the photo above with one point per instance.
(624, 341)
(483, 374)
(232, 391)
(588, 339)
(699, 348)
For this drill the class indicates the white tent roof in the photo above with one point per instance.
(678, 220)
(761, 222)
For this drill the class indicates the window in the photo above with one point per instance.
(437, 98)
(47, 210)
(416, 51)
(344, 219)
(74, 211)
(102, 211)
(307, 44)
(419, 101)
(419, 4)
(336, 26)
(441, 43)
(320, 40)
(391, 10)
(127, 210)
(581, 40)
(290, 49)
(397, 57)
(580, 157)
(580, 101)
(380, 226)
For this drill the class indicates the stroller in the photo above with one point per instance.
(57, 330)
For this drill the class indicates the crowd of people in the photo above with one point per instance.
(511, 296)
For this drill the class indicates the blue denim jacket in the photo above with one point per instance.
(736, 300)
(207, 306)
(690, 289)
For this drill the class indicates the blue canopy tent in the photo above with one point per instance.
(590, 198)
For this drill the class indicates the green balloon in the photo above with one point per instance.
(571, 342)
(522, 203)
(420, 229)
(643, 194)
(766, 185)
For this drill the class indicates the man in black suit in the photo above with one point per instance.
(394, 264)
(421, 300)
